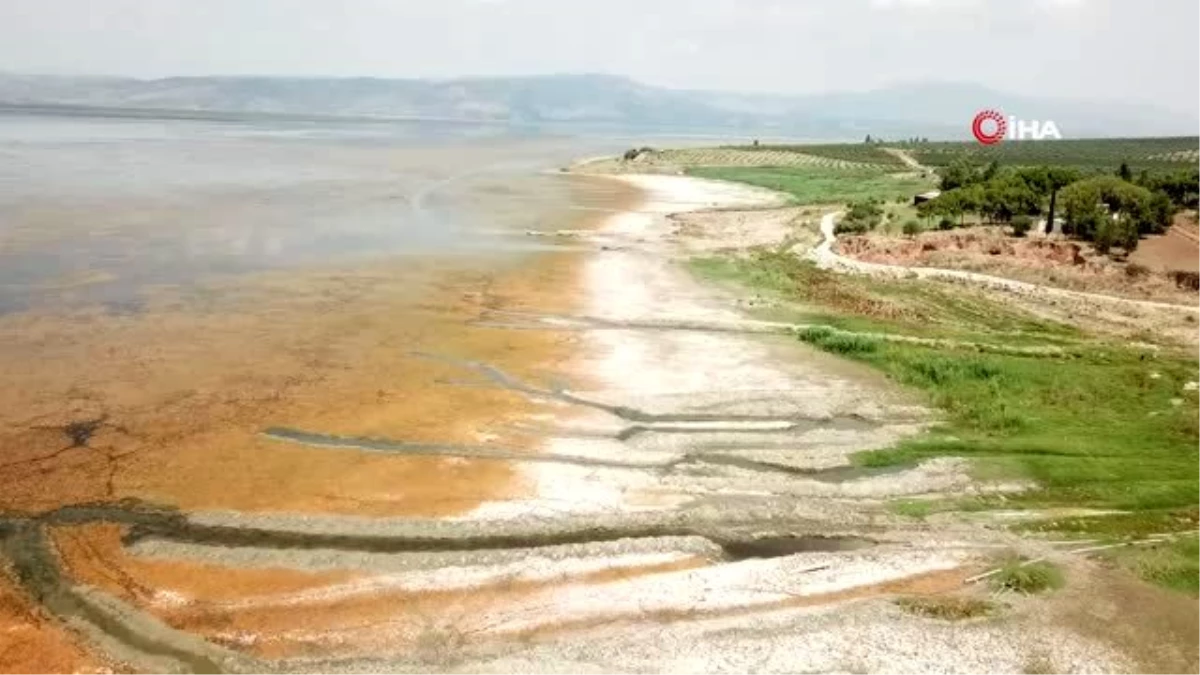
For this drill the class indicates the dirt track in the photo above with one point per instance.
(1178, 249)
(1127, 315)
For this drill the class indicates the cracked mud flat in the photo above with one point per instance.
(564, 467)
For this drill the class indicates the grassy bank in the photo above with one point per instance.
(823, 185)
(1101, 425)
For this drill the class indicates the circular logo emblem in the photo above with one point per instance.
(989, 127)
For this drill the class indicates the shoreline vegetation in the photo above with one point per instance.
(1106, 428)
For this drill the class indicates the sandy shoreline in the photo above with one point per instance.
(692, 391)
(690, 507)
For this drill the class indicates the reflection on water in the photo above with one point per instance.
(96, 210)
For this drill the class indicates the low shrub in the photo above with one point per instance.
(947, 608)
(836, 341)
(1136, 271)
(1021, 225)
(852, 226)
(862, 216)
(939, 370)
(634, 153)
(1171, 564)
(1027, 577)
(1186, 280)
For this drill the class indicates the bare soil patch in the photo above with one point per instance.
(1178, 249)
(1154, 626)
(708, 231)
(1053, 262)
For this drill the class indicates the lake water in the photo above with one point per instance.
(96, 210)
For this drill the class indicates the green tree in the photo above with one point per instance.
(990, 171)
(970, 200)
(1057, 178)
(1048, 181)
(1153, 213)
(959, 173)
(1112, 212)
(1124, 173)
(1082, 209)
(861, 216)
(1007, 196)
(1112, 232)
(1021, 225)
(949, 204)
(1182, 186)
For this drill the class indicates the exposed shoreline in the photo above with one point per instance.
(683, 485)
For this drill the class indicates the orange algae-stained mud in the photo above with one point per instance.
(177, 398)
(31, 643)
(94, 556)
(277, 611)
(168, 405)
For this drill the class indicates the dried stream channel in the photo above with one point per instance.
(274, 404)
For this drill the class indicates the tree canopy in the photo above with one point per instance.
(1110, 210)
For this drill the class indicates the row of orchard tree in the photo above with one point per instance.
(1106, 209)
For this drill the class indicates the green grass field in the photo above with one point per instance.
(823, 185)
(1102, 426)
(910, 307)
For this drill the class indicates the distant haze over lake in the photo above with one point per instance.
(602, 103)
(98, 209)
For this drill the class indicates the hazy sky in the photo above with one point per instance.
(1139, 50)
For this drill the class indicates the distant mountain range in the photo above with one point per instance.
(599, 102)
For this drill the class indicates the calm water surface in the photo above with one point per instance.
(96, 210)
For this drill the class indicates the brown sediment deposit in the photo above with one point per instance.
(1060, 263)
(31, 642)
(257, 609)
(179, 393)
(383, 622)
(95, 556)
(183, 398)
(1178, 249)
